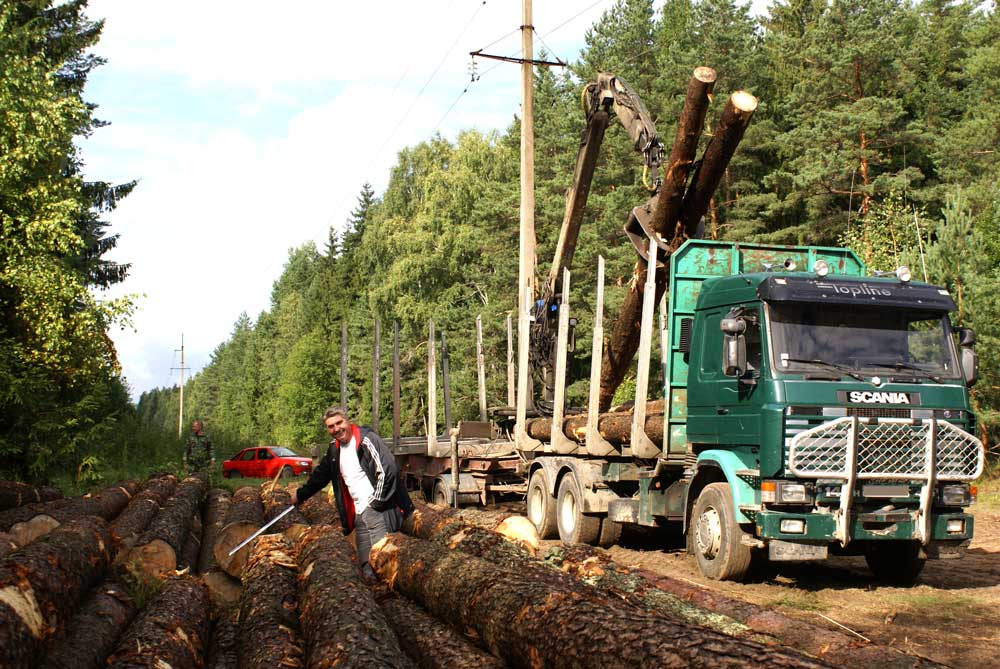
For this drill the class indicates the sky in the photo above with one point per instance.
(252, 126)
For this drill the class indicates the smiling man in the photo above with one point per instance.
(370, 497)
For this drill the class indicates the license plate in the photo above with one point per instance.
(885, 490)
(787, 551)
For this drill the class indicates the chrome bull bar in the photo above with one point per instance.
(854, 448)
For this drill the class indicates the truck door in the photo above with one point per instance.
(727, 408)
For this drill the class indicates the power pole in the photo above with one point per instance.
(180, 413)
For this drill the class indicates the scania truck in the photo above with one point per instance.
(810, 409)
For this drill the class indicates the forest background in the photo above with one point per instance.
(877, 129)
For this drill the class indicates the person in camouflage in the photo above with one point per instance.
(199, 455)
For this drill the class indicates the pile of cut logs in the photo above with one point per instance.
(141, 576)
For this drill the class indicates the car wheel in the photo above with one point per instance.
(714, 535)
(895, 562)
(235, 474)
(575, 527)
(541, 506)
(286, 472)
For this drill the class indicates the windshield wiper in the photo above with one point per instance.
(899, 364)
(826, 363)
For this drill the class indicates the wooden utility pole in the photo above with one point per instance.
(526, 249)
(481, 368)
(180, 412)
(395, 384)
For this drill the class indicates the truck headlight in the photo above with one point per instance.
(793, 526)
(785, 492)
(956, 494)
(955, 526)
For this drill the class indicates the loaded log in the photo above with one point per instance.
(597, 567)
(217, 506)
(530, 623)
(513, 527)
(15, 493)
(620, 347)
(431, 643)
(224, 651)
(445, 526)
(26, 532)
(224, 589)
(133, 521)
(171, 631)
(268, 623)
(246, 516)
(42, 583)
(188, 557)
(615, 427)
(157, 551)
(93, 631)
(342, 624)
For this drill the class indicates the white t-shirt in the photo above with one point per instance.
(354, 476)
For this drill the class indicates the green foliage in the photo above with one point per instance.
(872, 116)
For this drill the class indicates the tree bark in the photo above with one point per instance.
(530, 623)
(15, 493)
(431, 643)
(7, 544)
(107, 504)
(319, 510)
(188, 557)
(246, 515)
(276, 499)
(41, 584)
(224, 652)
(172, 631)
(216, 507)
(133, 521)
(158, 550)
(341, 622)
(447, 529)
(268, 624)
(615, 427)
(682, 154)
(597, 567)
(93, 631)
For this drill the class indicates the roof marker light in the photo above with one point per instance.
(790, 265)
(821, 268)
(903, 273)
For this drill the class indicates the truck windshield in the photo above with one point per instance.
(862, 339)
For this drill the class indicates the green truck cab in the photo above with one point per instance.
(810, 410)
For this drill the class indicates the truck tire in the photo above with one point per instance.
(895, 562)
(714, 535)
(541, 506)
(440, 495)
(611, 532)
(575, 527)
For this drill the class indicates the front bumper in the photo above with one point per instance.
(898, 525)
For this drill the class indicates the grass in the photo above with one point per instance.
(937, 605)
(989, 490)
(800, 601)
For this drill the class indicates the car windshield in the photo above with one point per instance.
(811, 337)
(283, 452)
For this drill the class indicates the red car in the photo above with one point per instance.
(264, 462)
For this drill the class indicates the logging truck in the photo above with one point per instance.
(804, 413)
(807, 409)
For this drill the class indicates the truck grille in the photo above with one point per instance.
(878, 412)
(885, 448)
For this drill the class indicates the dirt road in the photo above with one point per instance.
(951, 616)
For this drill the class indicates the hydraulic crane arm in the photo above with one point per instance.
(609, 94)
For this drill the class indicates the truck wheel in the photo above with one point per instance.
(286, 472)
(895, 562)
(541, 505)
(714, 535)
(440, 496)
(575, 527)
(611, 532)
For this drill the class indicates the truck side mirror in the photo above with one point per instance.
(734, 355)
(970, 359)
